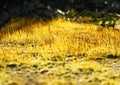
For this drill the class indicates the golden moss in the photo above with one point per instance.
(62, 44)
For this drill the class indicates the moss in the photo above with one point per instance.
(58, 52)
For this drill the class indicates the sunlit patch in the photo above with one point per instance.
(68, 52)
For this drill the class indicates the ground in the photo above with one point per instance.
(58, 52)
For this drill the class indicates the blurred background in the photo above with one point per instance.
(47, 9)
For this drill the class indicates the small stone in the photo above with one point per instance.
(75, 71)
(43, 71)
(35, 66)
(12, 65)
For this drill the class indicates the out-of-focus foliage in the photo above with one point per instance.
(106, 20)
(46, 9)
(99, 18)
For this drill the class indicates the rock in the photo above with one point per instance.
(12, 65)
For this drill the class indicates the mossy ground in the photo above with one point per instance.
(58, 52)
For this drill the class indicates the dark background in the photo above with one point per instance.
(46, 9)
